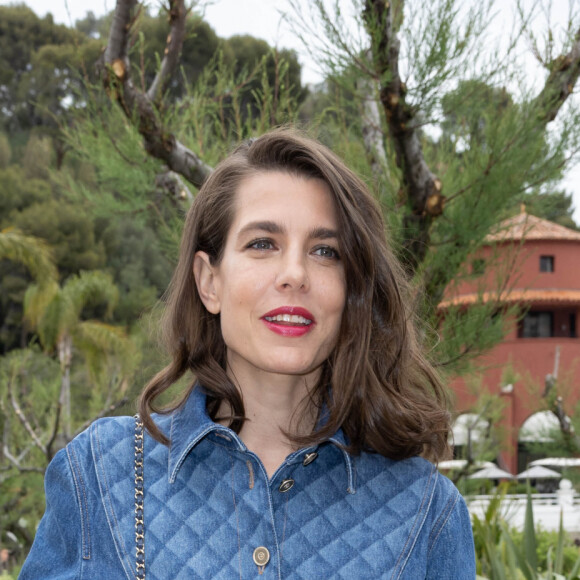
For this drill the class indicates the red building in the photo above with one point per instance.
(540, 262)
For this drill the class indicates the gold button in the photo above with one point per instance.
(261, 556)
(286, 485)
(309, 458)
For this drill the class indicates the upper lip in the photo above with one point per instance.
(296, 310)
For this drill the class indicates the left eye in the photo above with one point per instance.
(326, 252)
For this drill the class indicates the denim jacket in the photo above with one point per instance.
(211, 511)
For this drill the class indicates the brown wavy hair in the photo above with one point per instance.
(383, 393)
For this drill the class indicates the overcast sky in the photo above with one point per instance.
(263, 19)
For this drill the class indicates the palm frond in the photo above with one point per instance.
(31, 252)
(36, 301)
(98, 341)
(91, 288)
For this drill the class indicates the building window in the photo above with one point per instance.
(537, 325)
(546, 263)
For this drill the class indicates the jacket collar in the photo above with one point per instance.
(191, 423)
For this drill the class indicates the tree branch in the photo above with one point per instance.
(560, 83)
(139, 107)
(421, 187)
(16, 463)
(55, 427)
(174, 185)
(22, 418)
(172, 54)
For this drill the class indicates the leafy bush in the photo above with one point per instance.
(505, 554)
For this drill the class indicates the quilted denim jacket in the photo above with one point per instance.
(209, 505)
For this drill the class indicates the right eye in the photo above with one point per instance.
(261, 244)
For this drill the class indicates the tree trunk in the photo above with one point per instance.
(65, 358)
(372, 126)
(422, 189)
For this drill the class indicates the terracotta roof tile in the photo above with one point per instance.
(543, 296)
(531, 227)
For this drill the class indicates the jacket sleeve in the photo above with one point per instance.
(451, 549)
(58, 545)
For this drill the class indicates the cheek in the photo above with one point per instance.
(334, 292)
(242, 292)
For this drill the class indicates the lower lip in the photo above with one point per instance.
(286, 330)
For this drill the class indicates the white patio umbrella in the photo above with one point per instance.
(491, 473)
(461, 463)
(539, 472)
(557, 462)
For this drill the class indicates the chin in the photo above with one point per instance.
(293, 368)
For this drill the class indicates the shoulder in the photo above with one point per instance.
(413, 490)
(370, 465)
(111, 440)
(414, 481)
(109, 430)
(375, 467)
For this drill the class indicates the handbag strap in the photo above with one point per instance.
(139, 523)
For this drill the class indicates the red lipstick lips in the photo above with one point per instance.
(292, 321)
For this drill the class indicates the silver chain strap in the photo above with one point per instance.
(139, 523)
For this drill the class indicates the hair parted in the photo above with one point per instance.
(383, 393)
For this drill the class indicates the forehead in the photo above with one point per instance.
(284, 196)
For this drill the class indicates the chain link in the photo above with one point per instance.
(139, 523)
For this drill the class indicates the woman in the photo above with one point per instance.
(295, 453)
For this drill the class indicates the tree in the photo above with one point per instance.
(35, 62)
(36, 417)
(31, 252)
(30, 205)
(56, 314)
(423, 60)
(468, 113)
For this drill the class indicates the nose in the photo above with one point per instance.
(293, 273)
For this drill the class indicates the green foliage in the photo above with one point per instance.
(469, 110)
(56, 312)
(68, 229)
(30, 381)
(37, 157)
(199, 47)
(505, 554)
(5, 151)
(122, 179)
(555, 206)
(30, 252)
(38, 66)
(140, 269)
(17, 191)
(87, 362)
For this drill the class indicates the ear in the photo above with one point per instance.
(205, 280)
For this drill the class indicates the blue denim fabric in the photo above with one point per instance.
(209, 504)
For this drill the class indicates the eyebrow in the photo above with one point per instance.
(270, 227)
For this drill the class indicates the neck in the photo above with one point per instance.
(275, 405)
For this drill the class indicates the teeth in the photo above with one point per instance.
(291, 318)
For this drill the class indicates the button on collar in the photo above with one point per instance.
(309, 458)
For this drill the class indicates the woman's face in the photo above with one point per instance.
(280, 287)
